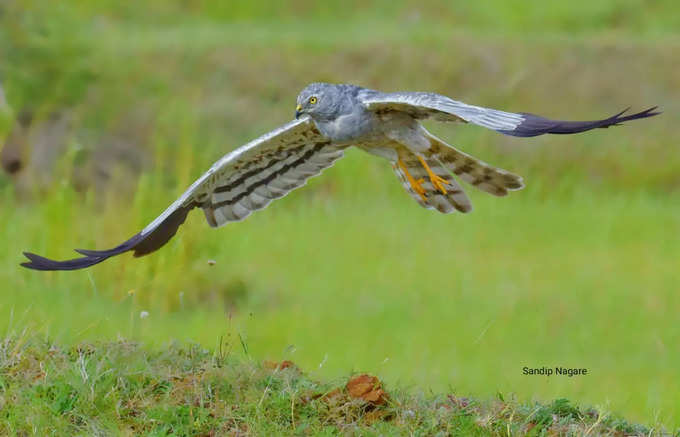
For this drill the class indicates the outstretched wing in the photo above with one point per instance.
(243, 181)
(438, 107)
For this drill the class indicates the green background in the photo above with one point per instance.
(580, 269)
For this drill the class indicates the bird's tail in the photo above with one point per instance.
(477, 173)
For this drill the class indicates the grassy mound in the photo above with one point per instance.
(124, 388)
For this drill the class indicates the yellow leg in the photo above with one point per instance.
(415, 184)
(437, 181)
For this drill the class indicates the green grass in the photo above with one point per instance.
(336, 284)
(121, 388)
(580, 269)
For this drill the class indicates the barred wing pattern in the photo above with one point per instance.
(243, 181)
(430, 105)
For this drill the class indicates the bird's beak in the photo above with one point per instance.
(298, 111)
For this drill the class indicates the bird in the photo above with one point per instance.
(329, 118)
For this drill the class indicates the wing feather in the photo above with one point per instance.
(243, 181)
(430, 105)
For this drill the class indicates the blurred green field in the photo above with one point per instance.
(581, 269)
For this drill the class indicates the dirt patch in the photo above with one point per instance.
(285, 364)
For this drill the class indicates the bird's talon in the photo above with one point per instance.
(418, 187)
(437, 181)
(415, 184)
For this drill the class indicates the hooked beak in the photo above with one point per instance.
(298, 111)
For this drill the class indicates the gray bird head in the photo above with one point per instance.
(323, 101)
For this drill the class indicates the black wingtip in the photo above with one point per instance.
(90, 258)
(642, 114)
(96, 253)
(534, 125)
(651, 112)
(141, 244)
(38, 262)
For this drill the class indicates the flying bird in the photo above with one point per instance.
(328, 119)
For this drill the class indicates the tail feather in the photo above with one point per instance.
(477, 173)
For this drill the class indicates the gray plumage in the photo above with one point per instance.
(328, 119)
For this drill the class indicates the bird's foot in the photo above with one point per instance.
(437, 181)
(417, 185)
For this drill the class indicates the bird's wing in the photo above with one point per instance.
(243, 181)
(429, 105)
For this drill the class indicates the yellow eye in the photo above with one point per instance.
(313, 100)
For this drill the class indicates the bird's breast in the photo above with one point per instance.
(348, 127)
